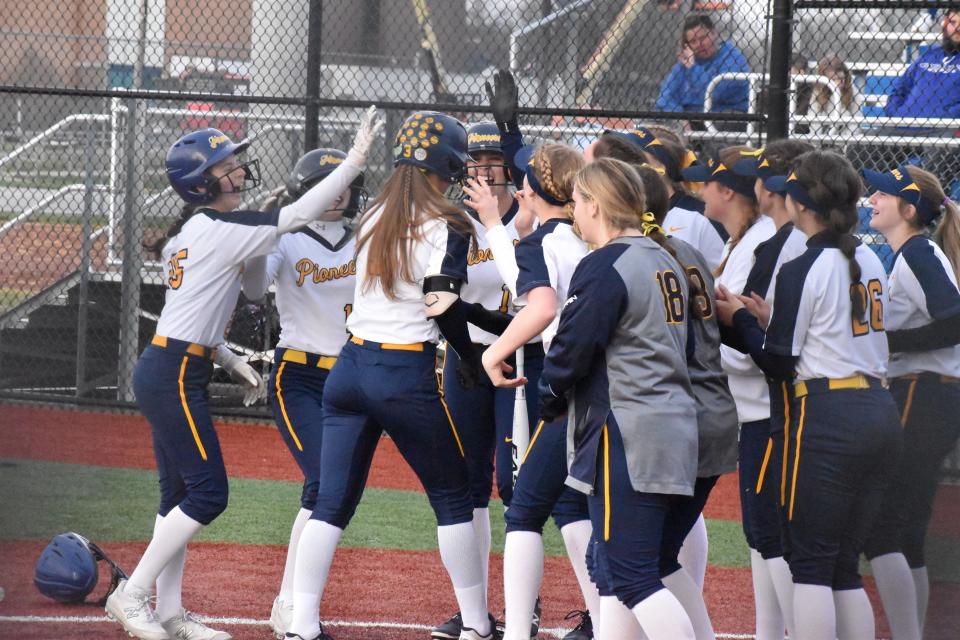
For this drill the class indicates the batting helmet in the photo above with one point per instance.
(192, 156)
(316, 165)
(483, 136)
(67, 569)
(435, 142)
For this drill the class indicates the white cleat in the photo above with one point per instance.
(281, 615)
(132, 610)
(186, 626)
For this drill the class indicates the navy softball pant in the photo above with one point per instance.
(930, 414)
(484, 419)
(843, 445)
(637, 535)
(541, 484)
(170, 383)
(760, 515)
(375, 388)
(295, 390)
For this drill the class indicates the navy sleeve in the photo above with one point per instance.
(455, 260)
(246, 218)
(781, 332)
(942, 297)
(511, 141)
(774, 365)
(939, 334)
(531, 265)
(598, 297)
(761, 273)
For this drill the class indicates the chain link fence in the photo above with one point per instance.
(92, 94)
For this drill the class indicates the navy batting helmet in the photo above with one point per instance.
(316, 165)
(435, 142)
(67, 569)
(483, 136)
(191, 157)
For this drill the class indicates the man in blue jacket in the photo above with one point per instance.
(931, 86)
(704, 56)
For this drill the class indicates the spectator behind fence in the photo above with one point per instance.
(930, 88)
(849, 103)
(703, 56)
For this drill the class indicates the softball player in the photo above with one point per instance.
(922, 320)
(546, 260)
(826, 336)
(204, 251)
(731, 200)
(684, 219)
(411, 260)
(484, 414)
(314, 273)
(632, 413)
(774, 588)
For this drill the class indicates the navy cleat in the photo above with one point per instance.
(584, 628)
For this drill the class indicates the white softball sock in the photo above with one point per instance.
(616, 621)
(461, 557)
(693, 553)
(522, 574)
(286, 584)
(921, 582)
(315, 550)
(662, 617)
(170, 538)
(814, 612)
(682, 586)
(782, 580)
(170, 582)
(576, 538)
(898, 594)
(481, 528)
(769, 617)
(854, 615)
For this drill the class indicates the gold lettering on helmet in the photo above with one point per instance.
(328, 159)
(483, 137)
(216, 141)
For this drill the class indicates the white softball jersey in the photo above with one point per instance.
(923, 288)
(747, 382)
(812, 318)
(404, 320)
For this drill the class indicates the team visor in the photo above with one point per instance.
(715, 171)
(790, 186)
(899, 183)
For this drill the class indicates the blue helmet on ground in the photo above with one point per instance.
(434, 142)
(191, 157)
(67, 569)
(316, 165)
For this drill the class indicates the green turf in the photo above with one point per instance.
(109, 504)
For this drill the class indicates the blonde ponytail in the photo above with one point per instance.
(947, 234)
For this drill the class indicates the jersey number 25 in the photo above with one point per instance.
(175, 273)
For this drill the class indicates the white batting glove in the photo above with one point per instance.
(370, 127)
(254, 386)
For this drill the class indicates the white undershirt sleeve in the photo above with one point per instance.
(318, 199)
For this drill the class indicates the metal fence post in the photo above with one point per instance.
(85, 259)
(311, 112)
(132, 230)
(781, 44)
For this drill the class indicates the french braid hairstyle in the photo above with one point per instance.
(835, 186)
(556, 167)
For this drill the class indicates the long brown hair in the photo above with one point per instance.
(947, 233)
(409, 201)
(729, 157)
(821, 94)
(835, 186)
